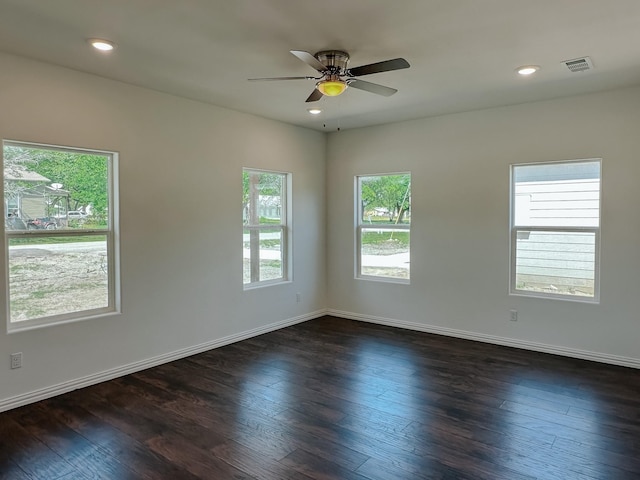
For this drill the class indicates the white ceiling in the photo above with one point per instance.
(463, 53)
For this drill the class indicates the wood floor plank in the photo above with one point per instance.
(251, 428)
(619, 465)
(253, 462)
(429, 469)
(10, 471)
(318, 468)
(128, 451)
(76, 450)
(194, 459)
(338, 399)
(33, 457)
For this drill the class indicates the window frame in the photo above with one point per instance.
(285, 235)
(513, 232)
(361, 227)
(111, 234)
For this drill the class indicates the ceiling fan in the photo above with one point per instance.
(335, 77)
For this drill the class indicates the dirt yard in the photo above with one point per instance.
(56, 279)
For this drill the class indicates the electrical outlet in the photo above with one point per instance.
(298, 297)
(16, 360)
(514, 315)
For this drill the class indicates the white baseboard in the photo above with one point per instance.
(480, 337)
(59, 389)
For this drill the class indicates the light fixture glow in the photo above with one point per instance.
(102, 45)
(331, 88)
(314, 111)
(527, 69)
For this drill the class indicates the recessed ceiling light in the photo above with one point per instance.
(314, 111)
(101, 44)
(527, 69)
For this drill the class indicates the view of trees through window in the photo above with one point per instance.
(58, 232)
(264, 219)
(384, 221)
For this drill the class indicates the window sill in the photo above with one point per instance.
(399, 281)
(551, 296)
(24, 326)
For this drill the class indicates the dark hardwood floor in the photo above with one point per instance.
(337, 399)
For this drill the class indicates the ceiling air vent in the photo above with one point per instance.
(579, 64)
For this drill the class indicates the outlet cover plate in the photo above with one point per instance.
(16, 360)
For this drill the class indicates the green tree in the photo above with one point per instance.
(255, 184)
(16, 162)
(83, 175)
(389, 192)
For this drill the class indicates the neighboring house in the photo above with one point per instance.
(28, 196)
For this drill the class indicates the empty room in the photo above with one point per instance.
(276, 239)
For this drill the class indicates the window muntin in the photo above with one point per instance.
(59, 234)
(264, 235)
(383, 227)
(555, 229)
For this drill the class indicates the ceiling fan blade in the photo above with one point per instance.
(386, 66)
(279, 78)
(372, 87)
(309, 59)
(315, 96)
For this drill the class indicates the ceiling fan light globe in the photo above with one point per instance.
(331, 88)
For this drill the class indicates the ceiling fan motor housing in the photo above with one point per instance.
(335, 60)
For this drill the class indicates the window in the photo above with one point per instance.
(265, 234)
(383, 227)
(555, 229)
(60, 234)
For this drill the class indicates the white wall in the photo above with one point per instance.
(180, 209)
(460, 223)
(180, 190)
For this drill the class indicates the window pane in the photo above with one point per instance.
(385, 199)
(264, 217)
(556, 262)
(263, 254)
(384, 202)
(557, 195)
(263, 198)
(385, 253)
(57, 275)
(47, 189)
